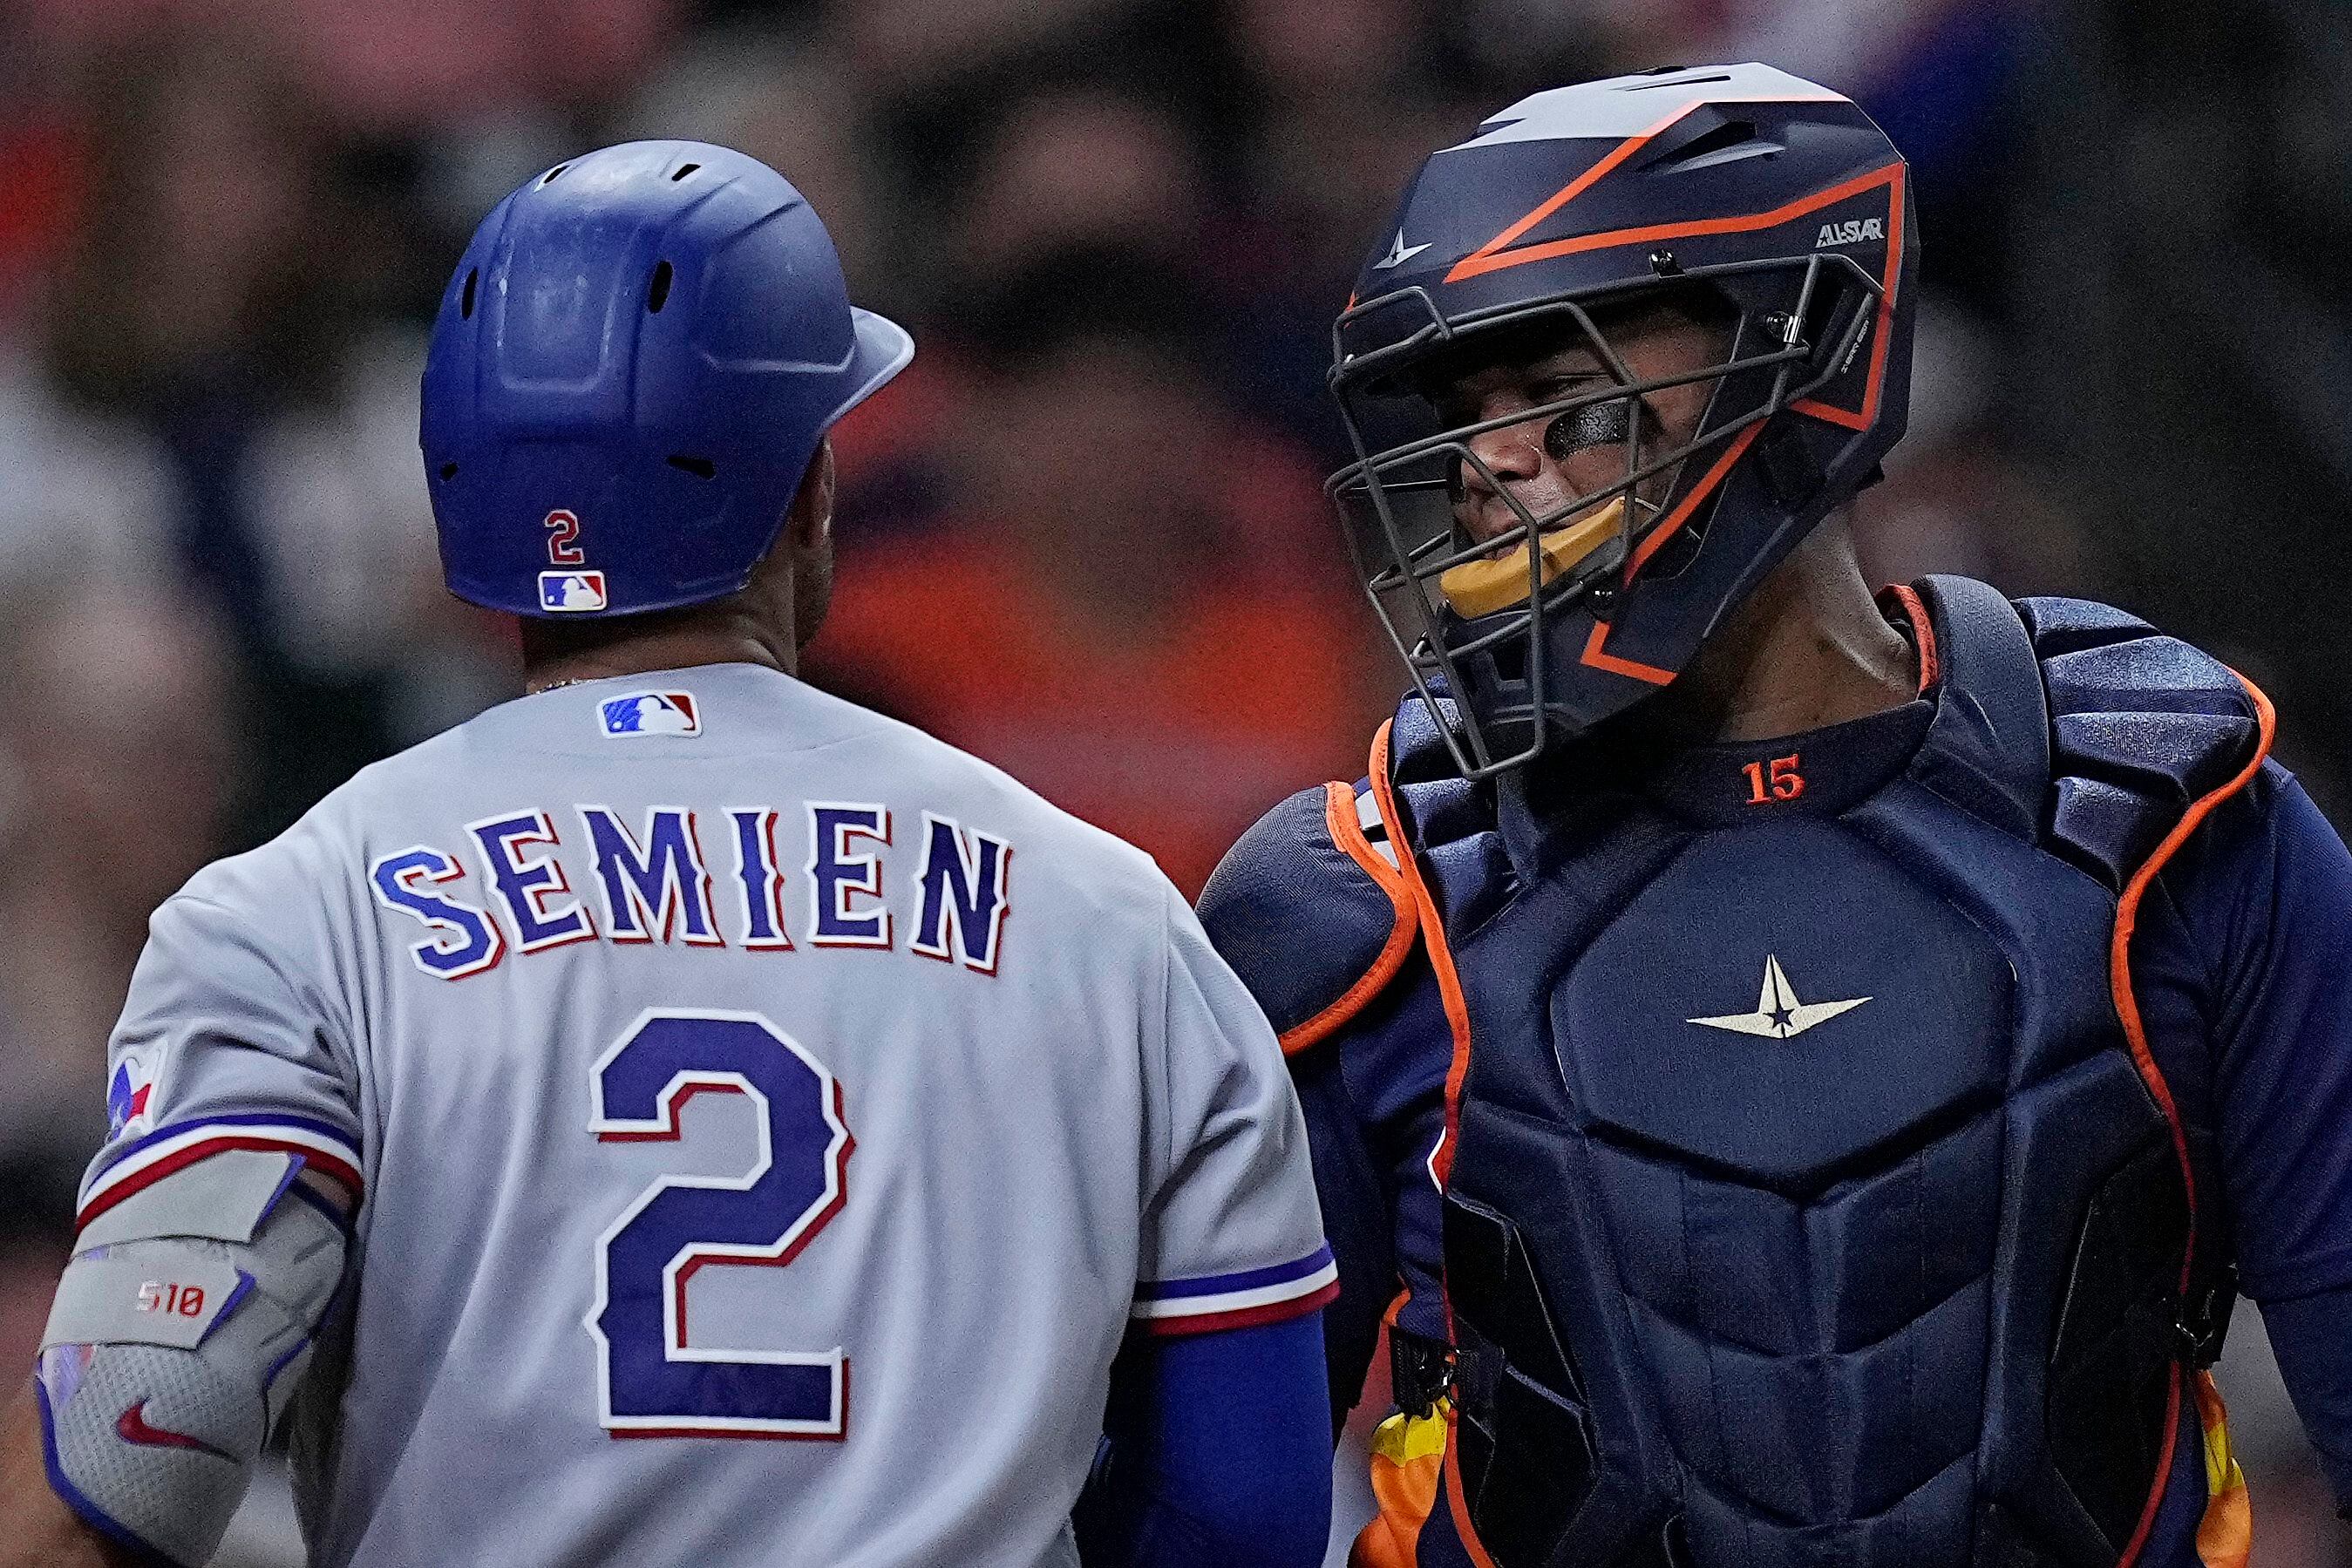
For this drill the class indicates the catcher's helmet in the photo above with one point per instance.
(1750, 196)
(631, 369)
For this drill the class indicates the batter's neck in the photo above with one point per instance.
(562, 657)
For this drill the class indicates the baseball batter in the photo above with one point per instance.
(679, 1117)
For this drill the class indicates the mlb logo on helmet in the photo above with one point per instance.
(570, 590)
(650, 713)
(126, 1097)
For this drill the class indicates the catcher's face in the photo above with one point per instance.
(1550, 459)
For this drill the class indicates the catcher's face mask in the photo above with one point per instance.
(1514, 476)
(1563, 448)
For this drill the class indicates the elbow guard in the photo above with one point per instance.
(181, 1329)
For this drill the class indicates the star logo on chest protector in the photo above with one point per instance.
(1778, 1014)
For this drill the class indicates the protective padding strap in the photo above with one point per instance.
(168, 1359)
(1351, 818)
(225, 1198)
(2126, 999)
(167, 1294)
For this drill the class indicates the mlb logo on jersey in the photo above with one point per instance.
(570, 590)
(126, 1097)
(650, 713)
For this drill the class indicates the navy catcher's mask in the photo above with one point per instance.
(1751, 201)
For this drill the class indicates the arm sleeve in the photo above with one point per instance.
(1216, 1453)
(223, 1044)
(1232, 1234)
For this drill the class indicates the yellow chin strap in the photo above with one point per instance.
(1477, 588)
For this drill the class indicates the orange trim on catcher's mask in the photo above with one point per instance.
(1596, 654)
(2119, 980)
(1486, 259)
(1671, 525)
(1595, 658)
(1887, 284)
(1487, 256)
(1491, 256)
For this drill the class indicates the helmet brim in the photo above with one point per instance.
(883, 350)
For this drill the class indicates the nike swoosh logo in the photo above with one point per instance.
(134, 1428)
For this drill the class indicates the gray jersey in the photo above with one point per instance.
(770, 1120)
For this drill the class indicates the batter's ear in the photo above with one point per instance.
(807, 545)
(810, 522)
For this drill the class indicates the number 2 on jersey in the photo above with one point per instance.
(650, 1382)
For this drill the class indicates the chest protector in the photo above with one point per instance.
(1900, 1265)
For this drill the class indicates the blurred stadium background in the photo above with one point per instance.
(1084, 536)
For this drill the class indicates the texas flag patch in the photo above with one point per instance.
(570, 591)
(651, 713)
(127, 1094)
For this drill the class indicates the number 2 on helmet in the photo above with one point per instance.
(562, 539)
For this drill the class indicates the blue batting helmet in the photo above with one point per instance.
(630, 371)
(1755, 201)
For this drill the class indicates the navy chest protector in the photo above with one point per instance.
(1810, 1196)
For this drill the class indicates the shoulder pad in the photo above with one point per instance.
(1311, 912)
(2143, 726)
(1450, 821)
(1988, 748)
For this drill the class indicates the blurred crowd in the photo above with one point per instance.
(1084, 536)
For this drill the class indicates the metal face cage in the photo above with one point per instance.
(1800, 321)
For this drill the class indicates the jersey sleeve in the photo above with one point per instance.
(2265, 904)
(1375, 1100)
(2269, 910)
(1232, 1234)
(225, 1043)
